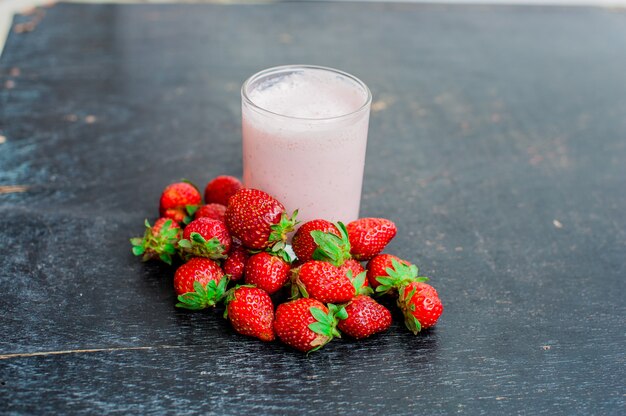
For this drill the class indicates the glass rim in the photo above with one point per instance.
(246, 99)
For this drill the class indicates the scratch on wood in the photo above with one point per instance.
(12, 189)
(485, 253)
(83, 351)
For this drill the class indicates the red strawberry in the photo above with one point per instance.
(199, 283)
(176, 198)
(303, 243)
(365, 317)
(251, 312)
(235, 264)
(420, 305)
(258, 219)
(327, 283)
(306, 324)
(213, 211)
(205, 237)
(267, 272)
(220, 189)
(378, 265)
(159, 241)
(369, 236)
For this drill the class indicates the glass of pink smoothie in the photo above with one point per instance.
(304, 139)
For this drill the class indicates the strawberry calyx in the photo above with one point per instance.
(202, 297)
(298, 289)
(161, 246)
(280, 230)
(358, 282)
(408, 310)
(198, 246)
(279, 249)
(330, 247)
(399, 275)
(278, 237)
(326, 324)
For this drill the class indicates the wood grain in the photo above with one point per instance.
(497, 146)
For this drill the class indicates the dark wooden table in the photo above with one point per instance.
(497, 143)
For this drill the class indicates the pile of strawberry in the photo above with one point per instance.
(240, 235)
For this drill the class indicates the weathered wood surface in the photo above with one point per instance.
(497, 143)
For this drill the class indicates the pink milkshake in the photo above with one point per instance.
(304, 139)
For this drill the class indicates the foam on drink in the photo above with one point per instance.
(312, 94)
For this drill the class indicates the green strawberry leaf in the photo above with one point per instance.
(184, 244)
(320, 315)
(330, 247)
(138, 250)
(383, 289)
(342, 313)
(191, 209)
(319, 328)
(191, 300)
(197, 238)
(167, 225)
(383, 280)
(166, 258)
(169, 249)
(413, 324)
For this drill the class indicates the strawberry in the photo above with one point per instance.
(205, 237)
(258, 220)
(377, 267)
(251, 312)
(159, 241)
(213, 211)
(176, 198)
(199, 283)
(369, 236)
(303, 243)
(306, 324)
(365, 317)
(220, 189)
(267, 272)
(235, 264)
(420, 305)
(327, 283)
